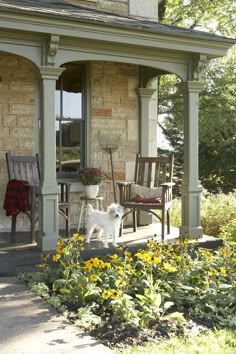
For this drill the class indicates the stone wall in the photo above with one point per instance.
(114, 118)
(116, 6)
(16, 117)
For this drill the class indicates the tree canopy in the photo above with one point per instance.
(217, 104)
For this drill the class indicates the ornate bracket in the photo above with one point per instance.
(199, 65)
(52, 49)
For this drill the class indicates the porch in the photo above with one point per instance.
(23, 256)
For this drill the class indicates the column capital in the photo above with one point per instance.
(145, 92)
(190, 86)
(50, 73)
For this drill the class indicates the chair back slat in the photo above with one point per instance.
(23, 168)
(153, 171)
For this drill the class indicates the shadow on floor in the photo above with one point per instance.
(24, 256)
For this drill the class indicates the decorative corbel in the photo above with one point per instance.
(199, 65)
(52, 49)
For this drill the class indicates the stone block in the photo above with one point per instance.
(25, 121)
(4, 132)
(19, 108)
(9, 120)
(132, 129)
(97, 101)
(25, 144)
(22, 132)
(129, 102)
(100, 112)
(8, 60)
(23, 86)
(116, 6)
(10, 144)
(4, 108)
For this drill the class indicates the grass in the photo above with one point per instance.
(217, 342)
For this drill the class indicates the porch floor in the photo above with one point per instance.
(23, 256)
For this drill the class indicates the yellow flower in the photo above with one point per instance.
(120, 283)
(44, 257)
(113, 257)
(115, 294)
(60, 250)
(42, 265)
(119, 270)
(93, 278)
(127, 253)
(234, 261)
(223, 271)
(75, 236)
(212, 271)
(169, 267)
(56, 257)
(106, 294)
(60, 242)
(155, 260)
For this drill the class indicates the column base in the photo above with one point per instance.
(47, 243)
(190, 232)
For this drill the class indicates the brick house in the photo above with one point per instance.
(75, 73)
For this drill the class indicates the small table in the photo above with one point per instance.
(96, 202)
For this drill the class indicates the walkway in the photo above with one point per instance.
(29, 326)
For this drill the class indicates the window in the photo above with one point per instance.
(70, 120)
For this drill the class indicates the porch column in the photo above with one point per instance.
(148, 121)
(147, 133)
(191, 187)
(48, 213)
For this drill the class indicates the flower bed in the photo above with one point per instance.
(162, 286)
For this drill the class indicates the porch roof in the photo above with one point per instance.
(65, 9)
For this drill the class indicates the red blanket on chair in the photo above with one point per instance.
(16, 197)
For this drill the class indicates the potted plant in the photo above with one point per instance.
(91, 178)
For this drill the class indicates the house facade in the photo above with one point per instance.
(79, 76)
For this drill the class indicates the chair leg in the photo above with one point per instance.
(32, 225)
(134, 220)
(163, 226)
(13, 229)
(168, 221)
(68, 222)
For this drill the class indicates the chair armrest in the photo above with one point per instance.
(124, 183)
(167, 184)
(125, 190)
(166, 192)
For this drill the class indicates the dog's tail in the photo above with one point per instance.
(89, 208)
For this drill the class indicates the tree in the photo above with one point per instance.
(217, 107)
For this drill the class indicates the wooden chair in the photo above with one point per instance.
(27, 168)
(151, 190)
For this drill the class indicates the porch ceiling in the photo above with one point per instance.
(67, 20)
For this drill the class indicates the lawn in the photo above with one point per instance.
(217, 342)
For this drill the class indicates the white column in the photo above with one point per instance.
(191, 187)
(148, 121)
(48, 214)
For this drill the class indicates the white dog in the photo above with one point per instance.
(108, 222)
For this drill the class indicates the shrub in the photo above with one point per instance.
(218, 214)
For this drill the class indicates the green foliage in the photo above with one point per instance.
(217, 108)
(159, 283)
(217, 341)
(69, 153)
(207, 15)
(218, 214)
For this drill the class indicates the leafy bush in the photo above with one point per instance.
(218, 214)
(158, 283)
